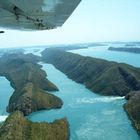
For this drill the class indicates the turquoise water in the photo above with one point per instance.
(5, 92)
(104, 53)
(91, 116)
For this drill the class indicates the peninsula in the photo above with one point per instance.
(98, 75)
(125, 49)
(30, 84)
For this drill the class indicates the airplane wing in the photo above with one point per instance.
(35, 14)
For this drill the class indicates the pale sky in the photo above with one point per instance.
(92, 21)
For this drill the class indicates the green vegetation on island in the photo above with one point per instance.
(17, 127)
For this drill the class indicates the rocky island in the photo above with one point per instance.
(125, 49)
(17, 127)
(101, 76)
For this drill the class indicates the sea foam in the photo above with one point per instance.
(98, 99)
(3, 118)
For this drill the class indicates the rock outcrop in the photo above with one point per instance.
(32, 99)
(17, 127)
(98, 75)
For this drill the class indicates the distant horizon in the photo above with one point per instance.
(42, 45)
